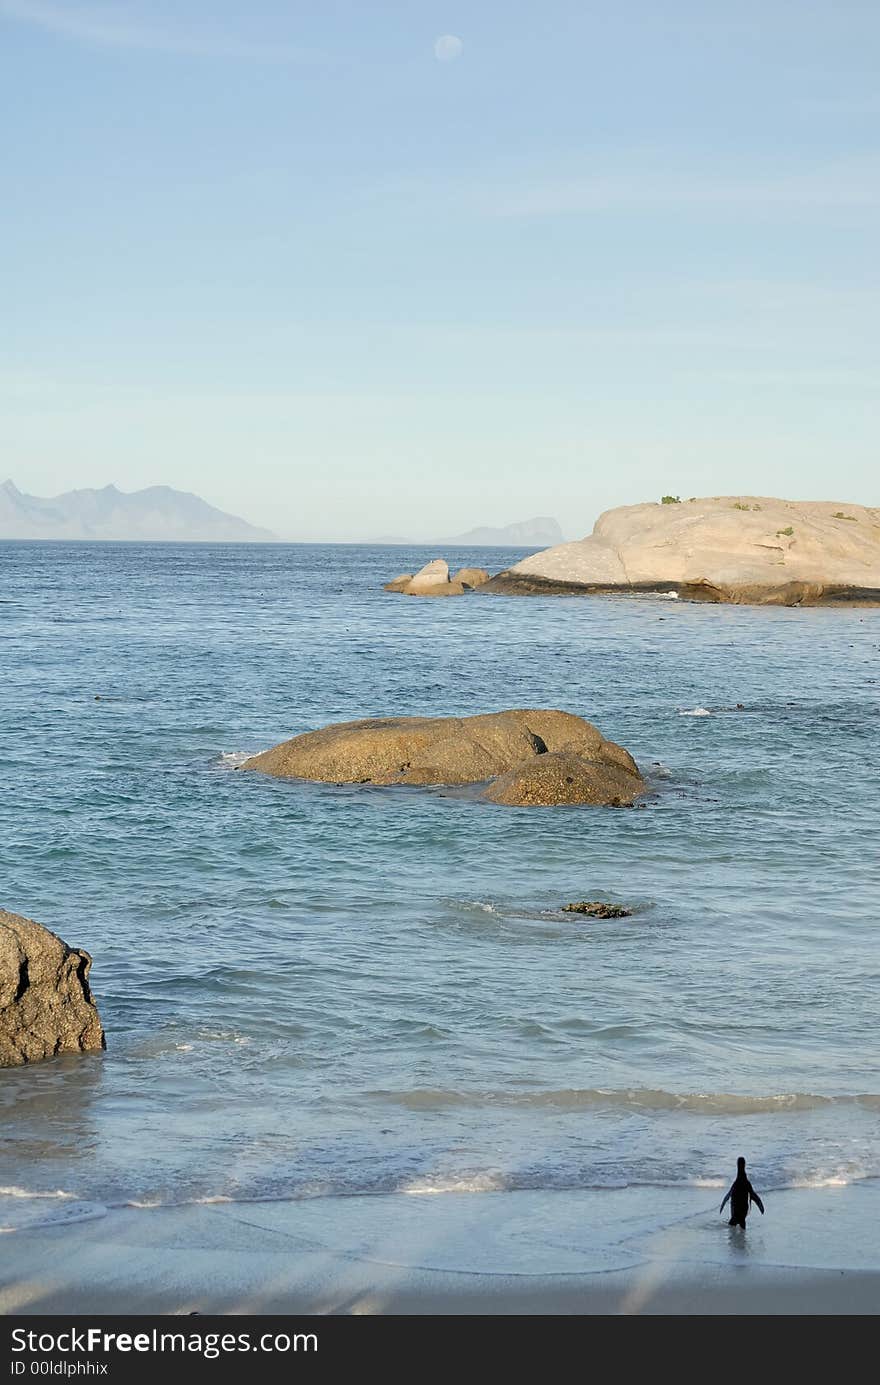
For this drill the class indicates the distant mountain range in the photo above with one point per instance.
(540, 533)
(155, 514)
(527, 533)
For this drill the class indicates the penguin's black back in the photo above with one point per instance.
(739, 1198)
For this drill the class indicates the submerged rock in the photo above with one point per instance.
(597, 910)
(46, 1005)
(740, 549)
(552, 756)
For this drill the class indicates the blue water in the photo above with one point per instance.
(309, 988)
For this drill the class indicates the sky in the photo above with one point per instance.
(352, 269)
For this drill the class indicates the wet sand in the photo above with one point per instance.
(627, 1251)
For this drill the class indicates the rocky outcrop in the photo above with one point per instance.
(741, 549)
(46, 1006)
(434, 580)
(532, 757)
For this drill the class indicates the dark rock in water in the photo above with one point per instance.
(46, 1005)
(597, 910)
(535, 757)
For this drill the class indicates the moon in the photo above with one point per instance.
(447, 48)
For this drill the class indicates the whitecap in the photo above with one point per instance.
(695, 712)
(231, 759)
(223, 1036)
(821, 1180)
(14, 1191)
(456, 1183)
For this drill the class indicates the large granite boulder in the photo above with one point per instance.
(462, 750)
(742, 549)
(46, 1006)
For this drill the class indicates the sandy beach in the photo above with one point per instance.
(595, 1252)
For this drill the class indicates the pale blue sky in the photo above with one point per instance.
(281, 255)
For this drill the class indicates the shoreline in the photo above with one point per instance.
(609, 1252)
(790, 594)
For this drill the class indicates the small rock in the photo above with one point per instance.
(597, 910)
(432, 575)
(399, 584)
(471, 576)
(434, 580)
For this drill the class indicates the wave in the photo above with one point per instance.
(14, 1191)
(25, 1209)
(163, 1044)
(473, 1181)
(28, 1209)
(455, 1183)
(632, 1098)
(231, 759)
(823, 1180)
(695, 712)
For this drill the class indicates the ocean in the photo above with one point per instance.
(311, 990)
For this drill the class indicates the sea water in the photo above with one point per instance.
(313, 989)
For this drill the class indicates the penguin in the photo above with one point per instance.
(741, 1194)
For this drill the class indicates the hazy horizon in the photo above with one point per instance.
(350, 270)
(407, 540)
